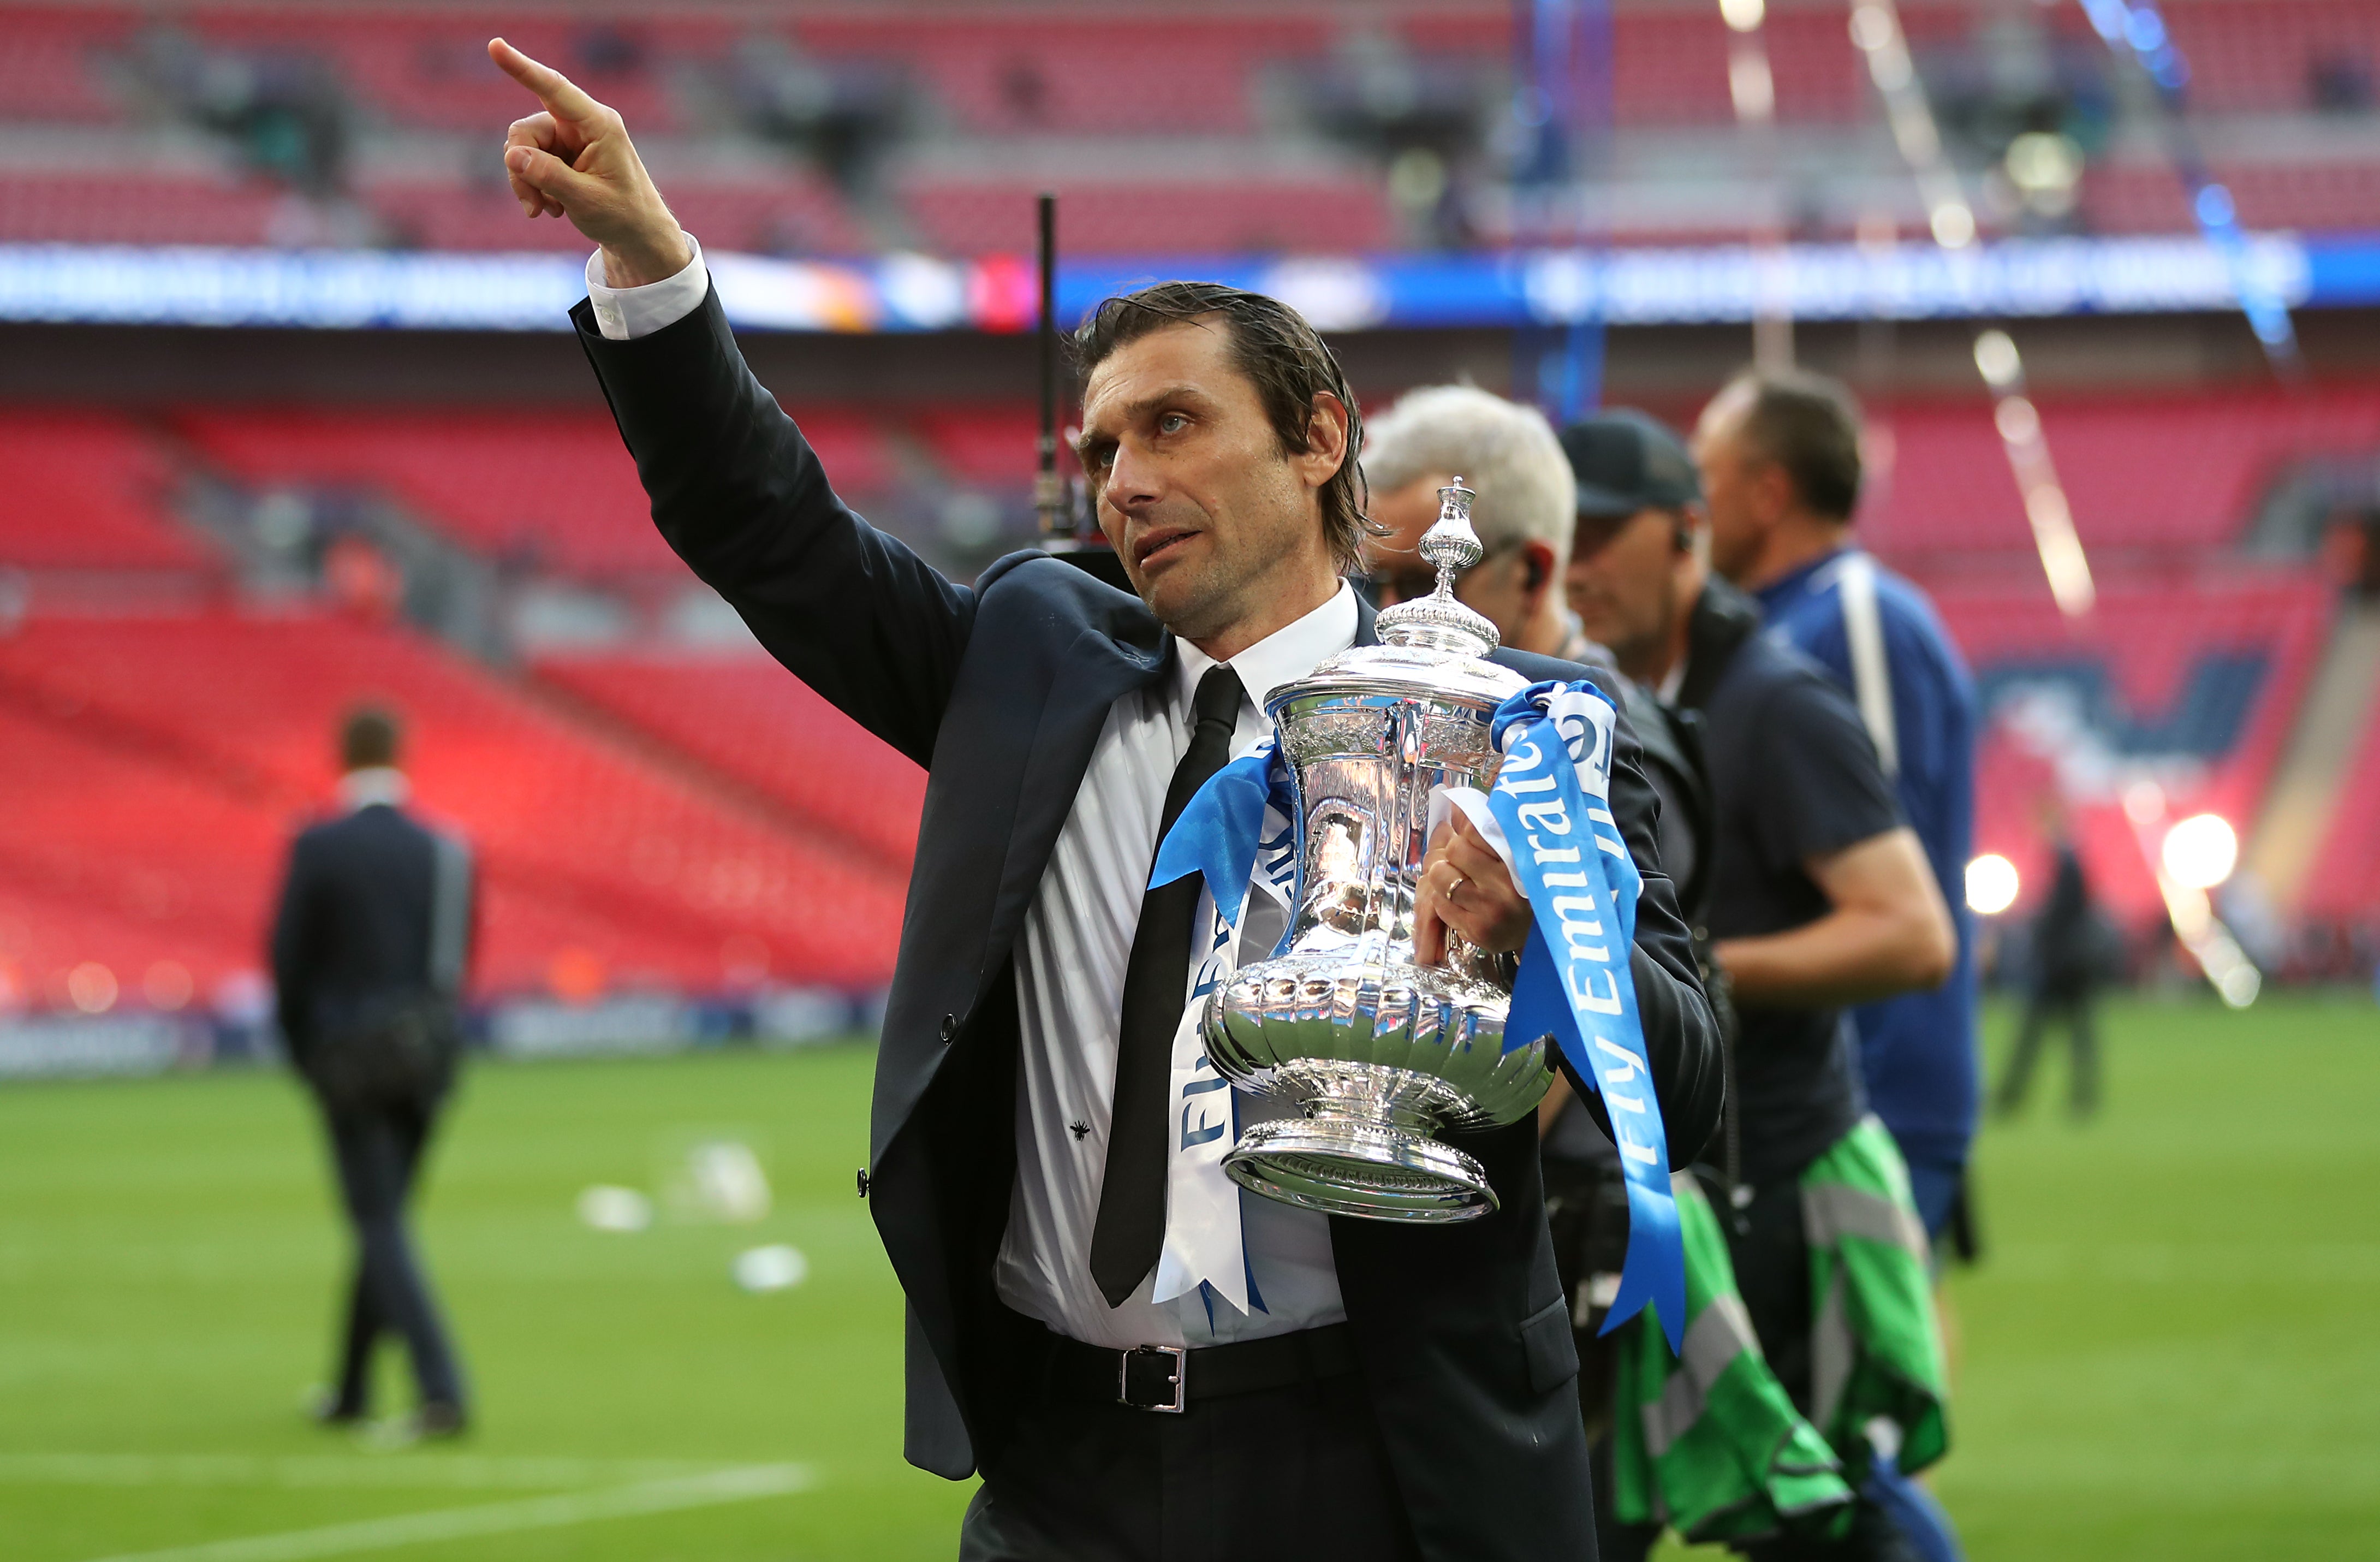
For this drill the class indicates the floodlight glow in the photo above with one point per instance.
(1996, 360)
(1991, 885)
(1954, 224)
(2019, 423)
(1743, 16)
(2201, 851)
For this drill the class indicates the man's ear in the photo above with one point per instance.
(1326, 440)
(1537, 571)
(1773, 484)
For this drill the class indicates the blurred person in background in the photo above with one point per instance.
(1820, 895)
(369, 952)
(1781, 467)
(2069, 949)
(1507, 455)
(1025, 1160)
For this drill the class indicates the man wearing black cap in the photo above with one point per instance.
(1815, 892)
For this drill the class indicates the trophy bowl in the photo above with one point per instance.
(1380, 1053)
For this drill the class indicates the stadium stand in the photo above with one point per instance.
(794, 213)
(1059, 71)
(2345, 882)
(588, 846)
(549, 490)
(51, 64)
(136, 208)
(86, 492)
(747, 718)
(1142, 219)
(2194, 682)
(2150, 198)
(2172, 474)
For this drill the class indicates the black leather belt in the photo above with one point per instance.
(1169, 1379)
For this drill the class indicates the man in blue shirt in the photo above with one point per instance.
(1780, 464)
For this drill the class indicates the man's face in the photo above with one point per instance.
(1497, 587)
(1209, 515)
(1736, 490)
(1622, 583)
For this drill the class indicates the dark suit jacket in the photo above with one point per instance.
(1000, 691)
(354, 920)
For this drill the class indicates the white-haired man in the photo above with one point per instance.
(1526, 508)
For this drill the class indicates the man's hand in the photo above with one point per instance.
(576, 161)
(1466, 885)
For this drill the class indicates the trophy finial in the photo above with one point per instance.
(1439, 621)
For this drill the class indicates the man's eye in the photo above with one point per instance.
(1171, 423)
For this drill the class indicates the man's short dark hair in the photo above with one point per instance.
(1281, 355)
(1809, 425)
(370, 735)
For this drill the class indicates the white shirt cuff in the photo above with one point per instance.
(624, 314)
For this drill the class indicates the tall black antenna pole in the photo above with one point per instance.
(1049, 491)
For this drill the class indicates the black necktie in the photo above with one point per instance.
(1131, 1229)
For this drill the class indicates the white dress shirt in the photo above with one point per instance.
(1069, 968)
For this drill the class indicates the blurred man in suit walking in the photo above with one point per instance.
(369, 951)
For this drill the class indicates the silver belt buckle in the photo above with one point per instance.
(1179, 1377)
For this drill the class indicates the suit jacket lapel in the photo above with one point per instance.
(1099, 671)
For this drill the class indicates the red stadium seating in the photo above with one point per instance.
(2137, 198)
(49, 64)
(1069, 71)
(86, 491)
(2261, 54)
(2140, 472)
(215, 732)
(751, 720)
(993, 444)
(556, 488)
(1149, 219)
(135, 209)
(2148, 639)
(795, 214)
(431, 66)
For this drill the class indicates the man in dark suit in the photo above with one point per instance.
(1396, 1392)
(369, 951)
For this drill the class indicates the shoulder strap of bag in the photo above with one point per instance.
(450, 912)
(1871, 673)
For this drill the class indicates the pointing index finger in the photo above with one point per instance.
(563, 98)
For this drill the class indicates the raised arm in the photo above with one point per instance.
(735, 489)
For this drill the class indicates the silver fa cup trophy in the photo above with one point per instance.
(1380, 1051)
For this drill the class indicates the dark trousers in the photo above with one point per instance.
(377, 1151)
(1296, 1474)
(2074, 1009)
(1770, 1248)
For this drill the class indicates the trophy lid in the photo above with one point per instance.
(1433, 648)
(1438, 621)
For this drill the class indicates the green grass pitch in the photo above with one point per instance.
(2169, 1352)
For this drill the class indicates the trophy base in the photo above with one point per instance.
(1345, 1166)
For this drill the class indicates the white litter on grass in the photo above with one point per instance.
(606, 1208)
(773, 1268)
(721, 1179)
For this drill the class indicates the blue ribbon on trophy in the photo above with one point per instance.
(1237, 833)
(1219, 831)
(1548, 815)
